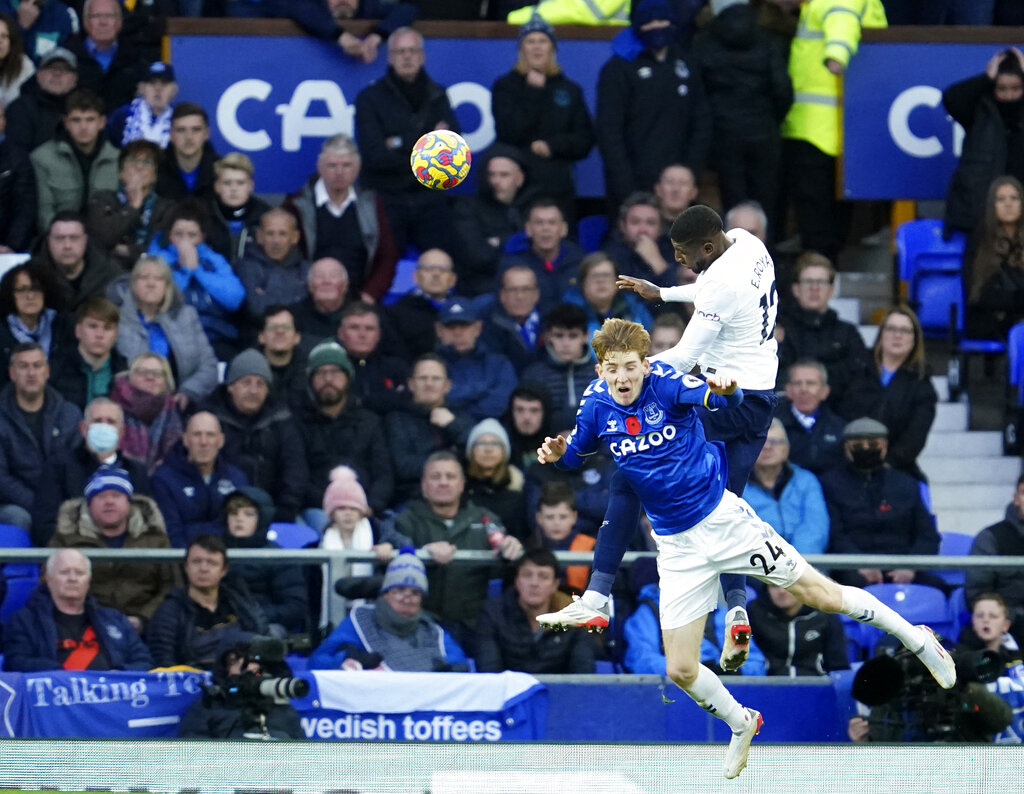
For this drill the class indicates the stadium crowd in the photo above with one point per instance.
(184, 363)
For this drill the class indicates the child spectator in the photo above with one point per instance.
(566, 364)
(558, 530)
(349, 514)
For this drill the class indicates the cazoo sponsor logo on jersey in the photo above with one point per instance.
(648, 441)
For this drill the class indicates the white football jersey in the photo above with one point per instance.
(735, 303)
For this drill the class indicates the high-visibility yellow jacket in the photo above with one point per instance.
(575, 12)
(828, 29)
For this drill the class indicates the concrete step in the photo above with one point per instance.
(966, 444)
(970, 495)
(954, 469)
(969, 522)
(951, 417)
(868, 333)
(848, 309)
(941, 385)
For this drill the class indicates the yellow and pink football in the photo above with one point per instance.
(440, 159)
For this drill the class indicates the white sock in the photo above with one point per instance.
(594, 599)
(864, 607)
(711, 695)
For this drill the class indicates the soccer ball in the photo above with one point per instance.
(440, 159)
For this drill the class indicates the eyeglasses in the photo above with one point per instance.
(28, 290)
(898, 329)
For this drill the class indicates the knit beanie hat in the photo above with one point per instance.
(489, 427)
(406, 570)
(326, 353)
(645, 11)
(109, 478)
(249, 362)
(344, 490)
(537, 24)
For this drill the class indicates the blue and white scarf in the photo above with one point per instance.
(141, 124)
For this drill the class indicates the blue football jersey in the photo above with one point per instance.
(659, 445)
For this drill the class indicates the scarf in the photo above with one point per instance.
(140, 234)
(43, 333)
(393, 623)
(152, 423)
(140, 123)
(362, 540)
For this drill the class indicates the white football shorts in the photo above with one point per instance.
(732, 539)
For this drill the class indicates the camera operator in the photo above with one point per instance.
(987, 705)
(249, 696)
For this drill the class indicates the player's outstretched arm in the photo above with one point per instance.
(552, 449)
(645, 289)
(721, 383)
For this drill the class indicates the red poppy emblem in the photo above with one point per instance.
(632, 425)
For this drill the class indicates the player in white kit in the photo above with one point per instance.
(732, 333)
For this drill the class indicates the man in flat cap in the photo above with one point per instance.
(875, 509)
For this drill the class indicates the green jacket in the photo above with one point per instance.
(456, 591)
(59, 177)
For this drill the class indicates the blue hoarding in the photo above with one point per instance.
(275, 98)
(899, 141)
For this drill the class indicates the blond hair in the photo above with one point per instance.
(620, 336)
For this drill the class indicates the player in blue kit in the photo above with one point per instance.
(732, 330)
(647, 416)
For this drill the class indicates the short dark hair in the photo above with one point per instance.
(39, 275)
(543, 203)
(188, 209)
(638, 198)
(99, 308)
(210, 543)
(358, 307)
(140, 148)
(541, 557)
(695, 224)
(67, 216)
(556, 492)
(430, 357)
(669, 320)
(566, 315)
(189, 109)
(272, 310)
(592, 260)
(26, 347)
(84, 100)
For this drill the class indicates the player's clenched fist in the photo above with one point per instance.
(721, 383)
(552, 449)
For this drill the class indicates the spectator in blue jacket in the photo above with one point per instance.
(191, 484)
(786, 496)
(62, 627)
(481, 381)
(392, 633)
(645, 654)
(44, 24)
(204, 277)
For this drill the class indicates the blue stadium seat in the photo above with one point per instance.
(591, 231)
(856, 650)
(930, 272)
(1013, 424)
(402, 282)
(917, 603)
(954, 544)
(292, 536)
(959, 612)
(14, 537)
(18, 590)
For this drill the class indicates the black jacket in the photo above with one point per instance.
(835, 343)
(877, 513)
(33, 118)
(387, 126)
(412, 439)
(219, 236)
(506, 642)
(379, 382)
(353, 438)
(818, 449)
(117, 85)
(169, 183)
(65, 477)
(413, 317)
(907, 407)
(1005, 538)
(992, 132)
(556, 114)
(18, 198)
(745, 76)
(171, 633)
(808, 643)
(68, 376)
(268, 448)
(650, 114)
